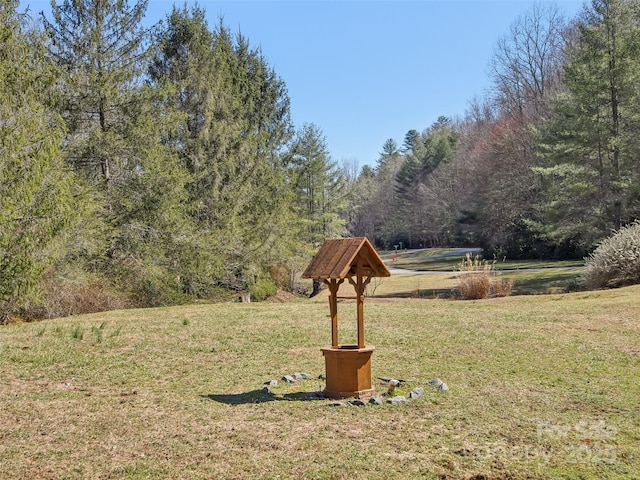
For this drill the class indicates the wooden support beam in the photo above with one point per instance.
(333, 285)
(360, 286)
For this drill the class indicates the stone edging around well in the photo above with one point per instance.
(389, 398)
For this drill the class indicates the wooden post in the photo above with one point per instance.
(360, 301)
(359, 286)
(333, 285)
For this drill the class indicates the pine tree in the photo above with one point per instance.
(319, 185)
(423, 154)
(101, 48)
(35, 188)
(590, 148)
(117, 127)
(235, 121)
(390, 151)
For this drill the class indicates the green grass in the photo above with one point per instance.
(435, 274)
(432, 259)
(540, 387)
(443, 284)
(446, 260)
(418, 285)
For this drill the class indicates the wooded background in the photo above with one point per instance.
(155, 166)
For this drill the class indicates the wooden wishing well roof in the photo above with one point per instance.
(339, 258)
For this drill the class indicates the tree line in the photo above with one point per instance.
(545, 165)
(160, 164)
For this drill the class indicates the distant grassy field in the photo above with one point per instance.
(446, 260)
(442, 285)
(435, 276)
(540, 387)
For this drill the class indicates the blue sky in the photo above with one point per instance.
(368, 70)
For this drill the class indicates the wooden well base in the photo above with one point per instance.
(348, 370)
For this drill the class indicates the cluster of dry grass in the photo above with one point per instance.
(540, 387)
(477, 279)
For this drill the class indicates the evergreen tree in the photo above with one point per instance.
(390, 151)
(423, 154)
(390, 224)
(440, 142)
(101, 48)
(359, 214)
(35, 188)
(413, 150)
(372, 209)
(116, 127)
(590, 149)
(319, 185)
(234, 113)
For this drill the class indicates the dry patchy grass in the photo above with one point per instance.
(540, 387)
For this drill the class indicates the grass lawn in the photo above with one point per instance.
(435, 274)
(442, 284)
(539, 387)
(447, 260)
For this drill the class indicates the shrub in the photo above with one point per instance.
(75, 292)
(262, 289)
(149, 284)
(475, 282)
(473, 279)
(500, 287)
(280, 275)
(616, 261)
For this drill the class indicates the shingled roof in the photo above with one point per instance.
(338, 259)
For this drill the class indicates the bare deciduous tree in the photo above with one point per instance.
(526, 64)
